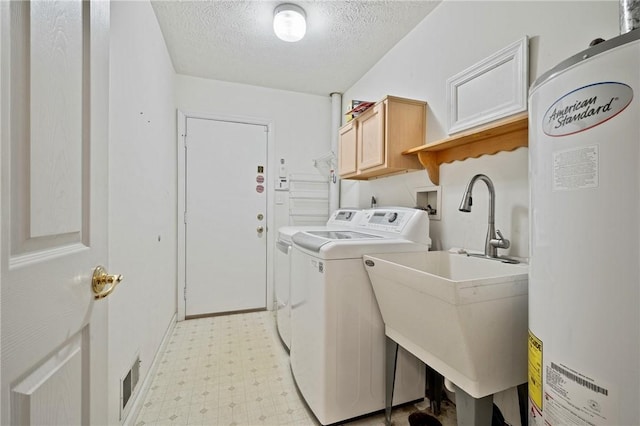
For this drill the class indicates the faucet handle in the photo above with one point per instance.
(500, 242)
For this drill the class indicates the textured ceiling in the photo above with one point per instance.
(234, 40)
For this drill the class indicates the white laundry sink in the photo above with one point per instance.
(466, 317)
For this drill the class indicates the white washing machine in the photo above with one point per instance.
(340, 219)
(337, 333)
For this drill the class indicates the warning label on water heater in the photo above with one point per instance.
(574, 398)
(575, 168)
(535, 370)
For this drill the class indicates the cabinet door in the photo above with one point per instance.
(347, 147)
(371, 141)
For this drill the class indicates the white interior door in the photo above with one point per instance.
(54, 129)
(225, 216)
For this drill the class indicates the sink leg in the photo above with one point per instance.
(391, 357)
(435, 383)
(473, 411)
(523, 400)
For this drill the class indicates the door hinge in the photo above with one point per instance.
(184, 140)
(185, 292)
(185, 217)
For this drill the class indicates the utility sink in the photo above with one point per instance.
(465, 317)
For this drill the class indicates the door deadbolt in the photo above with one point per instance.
(260, 216)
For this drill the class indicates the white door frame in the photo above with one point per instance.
(271, 167)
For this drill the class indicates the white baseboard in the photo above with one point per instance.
(146, 384)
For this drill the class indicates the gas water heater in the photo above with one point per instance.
(584, 282)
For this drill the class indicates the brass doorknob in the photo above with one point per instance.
(260, 229)
(102, 283)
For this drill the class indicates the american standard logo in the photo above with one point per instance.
(586, 107)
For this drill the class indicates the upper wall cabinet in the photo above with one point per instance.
(347, 149)
(371, 145)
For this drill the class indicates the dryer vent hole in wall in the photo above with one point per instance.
(128, 385)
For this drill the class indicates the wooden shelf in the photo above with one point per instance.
(503, 135)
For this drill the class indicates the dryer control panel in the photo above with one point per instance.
(344, 217)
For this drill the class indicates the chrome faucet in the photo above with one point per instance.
(493, 242)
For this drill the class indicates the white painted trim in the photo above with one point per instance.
(518, 54)
(148, 379)
(271, 231)
(181, 125)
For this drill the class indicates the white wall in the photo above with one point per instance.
(453, 37)
(300, 125)
(142, 192)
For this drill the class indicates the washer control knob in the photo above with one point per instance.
(392, 217)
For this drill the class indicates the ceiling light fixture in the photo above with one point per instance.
(289, 22)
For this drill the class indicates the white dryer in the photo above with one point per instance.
(340, 219)
(337, 332)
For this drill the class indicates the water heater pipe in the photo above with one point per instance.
(334, 179)
(629, 15)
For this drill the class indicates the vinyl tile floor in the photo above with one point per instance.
(233, 370)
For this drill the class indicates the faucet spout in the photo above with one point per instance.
(492, 241)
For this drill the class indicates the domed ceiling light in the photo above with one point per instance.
(289, 22)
